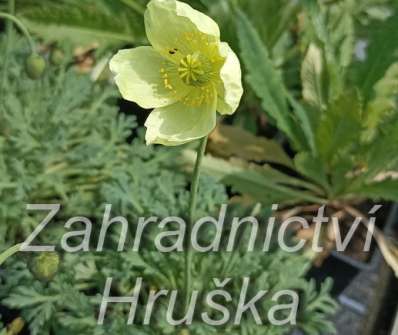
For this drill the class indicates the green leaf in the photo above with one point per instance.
(340, 127)
(343, 35)
(381, 54)
(318, 21)
(83, 22)
(319, 24)
(312, 168)
(272, 19)
(306, 119)
(265, 80)
(384, 190)
(62, 140)
(382, 153)
(263, 183)
(385, 101)
(322, 301)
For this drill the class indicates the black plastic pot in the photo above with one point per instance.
(390, 217)
(361, 289)
(362, 300)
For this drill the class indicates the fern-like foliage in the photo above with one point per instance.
(63, 141)
(68, 304)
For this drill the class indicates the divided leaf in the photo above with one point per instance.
(340, 127)
(385, 100)
(382, 52)
(384, 190)
(263, 77)
(312, 167)
(382, 153)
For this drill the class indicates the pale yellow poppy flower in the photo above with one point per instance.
(187, 75)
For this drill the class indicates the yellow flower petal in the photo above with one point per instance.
(187, 74)
(139, 78)
(172, 25)
(231, 90)
(178, 124)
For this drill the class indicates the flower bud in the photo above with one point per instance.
(35, 66)
(56, 57)
(45, 266)
(16, 326)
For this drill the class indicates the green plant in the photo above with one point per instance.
(280, 28)
(70, 302)
(87, 22)
(62, 140)
(342, 127)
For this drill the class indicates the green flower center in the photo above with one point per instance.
(195, 70)
(195, 61)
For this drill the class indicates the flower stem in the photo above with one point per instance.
(192, 213)
(11, 10)
(9, 31)
(21, 27)
(9, 252)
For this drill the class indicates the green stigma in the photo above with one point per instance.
(194, 70)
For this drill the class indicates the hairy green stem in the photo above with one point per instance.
(21, 27)
(9, 252)
(11, 10)
(9, 30)
(192, 213)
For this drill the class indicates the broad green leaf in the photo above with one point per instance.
(265, 80)
(272, 19)
(345, 165)
(263, 183)
(318, 21)
(312, 168)
(340, 127)
(306, 119)
(385, 100)
(382, 52)
(342, 32)
(347, 46)
(384, 190)
(382, 153)
(319, 24)
(84, 22)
